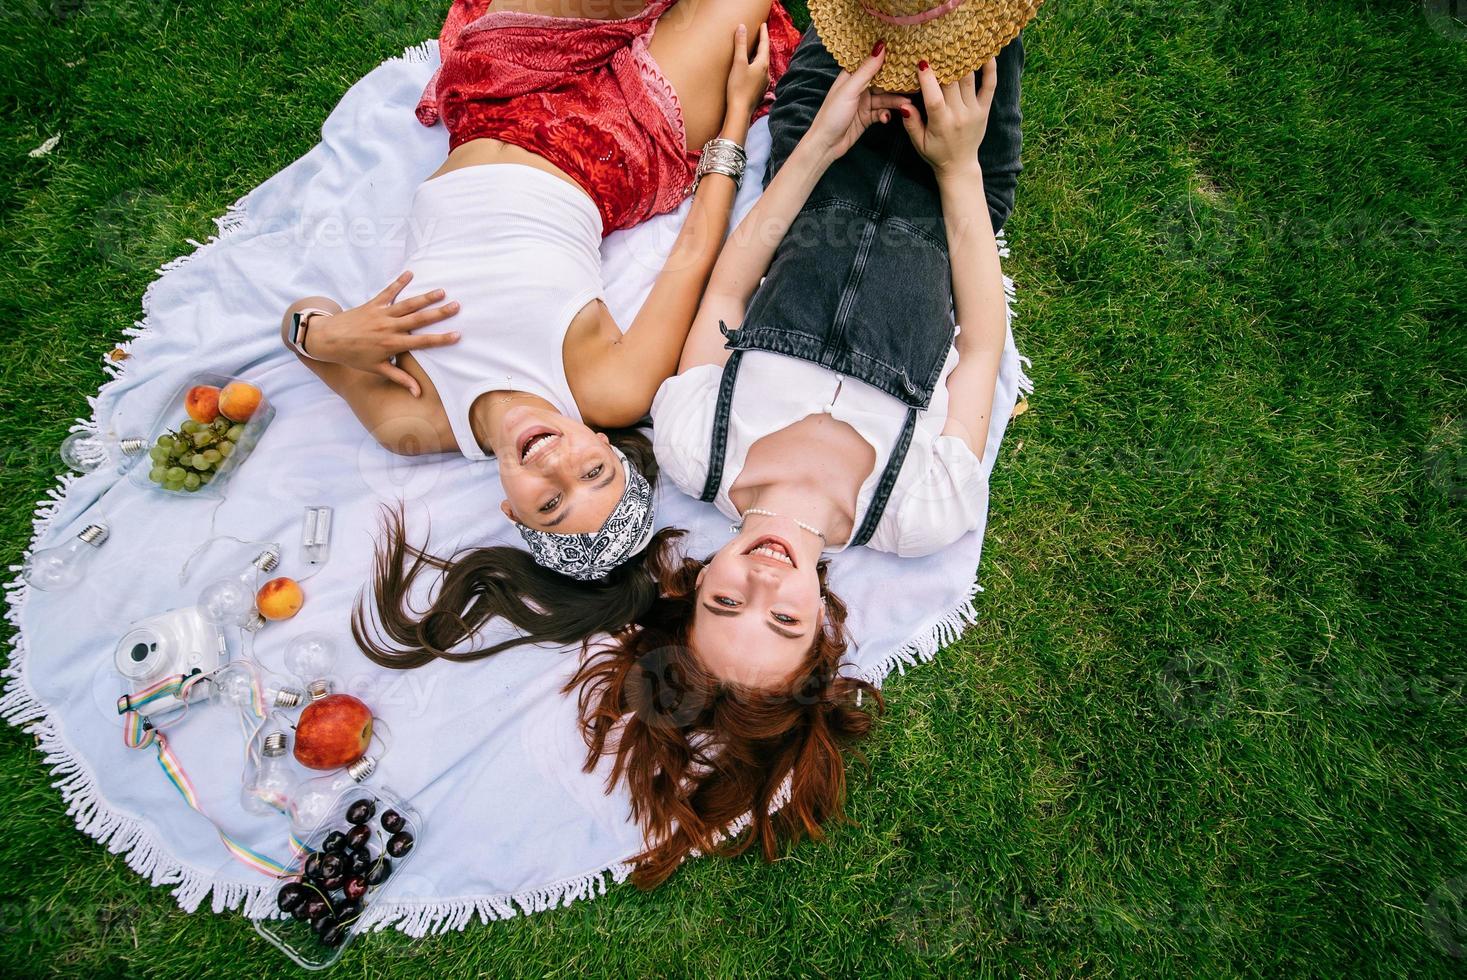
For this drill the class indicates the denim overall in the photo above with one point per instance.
(861, 283)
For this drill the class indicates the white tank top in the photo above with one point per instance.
(520, 250)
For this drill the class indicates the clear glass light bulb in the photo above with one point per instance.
(59, 568)
(311, 801)
(87, 451)
(231, 601)
(279, 693)
(238, 682)
(270, 789)
(311, 657)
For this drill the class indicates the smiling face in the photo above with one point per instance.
(558, 474)
(758, 611)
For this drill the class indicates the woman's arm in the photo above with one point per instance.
(850, 107)
(747, 254)
(978, 300)
(627, 376)
(626, 379)
(409, 423)
(957, 115)
(367, 337)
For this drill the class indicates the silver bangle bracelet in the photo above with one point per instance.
(721, 156)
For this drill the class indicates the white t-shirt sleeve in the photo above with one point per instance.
(682, 426)
(948, 500)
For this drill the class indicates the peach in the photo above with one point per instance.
(332, 732)
(202, 403)
(239, 400)
(280, 598)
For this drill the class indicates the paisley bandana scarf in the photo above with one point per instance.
(588, 557)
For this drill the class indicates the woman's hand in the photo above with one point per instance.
(851, 106)
(748, 77)
(957, 118)
(367, 337)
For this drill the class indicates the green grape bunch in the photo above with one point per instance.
(190, 457)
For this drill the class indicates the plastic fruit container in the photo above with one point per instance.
(297, 937)
(171, 419)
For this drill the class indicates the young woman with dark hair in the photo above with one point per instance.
(561, 130)
(482, 585)
(825, 400)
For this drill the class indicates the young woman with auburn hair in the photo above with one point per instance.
(825, 400)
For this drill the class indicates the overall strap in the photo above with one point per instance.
(888, 482)
(718, 451)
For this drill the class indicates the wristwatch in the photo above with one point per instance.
(300, 322)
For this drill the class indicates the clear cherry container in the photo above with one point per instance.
(296, 934)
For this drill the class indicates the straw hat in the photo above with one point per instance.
(954, 36)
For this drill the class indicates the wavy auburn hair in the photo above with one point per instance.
(699, 755)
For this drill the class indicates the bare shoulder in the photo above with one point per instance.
(592, 329)
(590, 339)
(603, 376)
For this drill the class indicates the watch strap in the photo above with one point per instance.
(300, 327)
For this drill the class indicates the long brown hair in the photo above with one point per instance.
(698, 754)
(483, 584)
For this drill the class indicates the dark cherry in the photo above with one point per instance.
(316, 906)
(333, 883)
(392, 821)
(335, 842)
(399, 843)
(358, 836)
(332, 936)
(347, 910)
(354, 888)
(291, 895)
(379, 871)
(313, 865)
(361, 861)
(331, 866)
(300, 910)
(326, 921)
(360, 812)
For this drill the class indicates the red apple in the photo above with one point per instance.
(333, 732)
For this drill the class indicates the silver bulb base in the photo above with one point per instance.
(132, 446)
(288, 697)
(266, 560)
(362, 768)
(274, 745)
(93, 534)
(318, 689)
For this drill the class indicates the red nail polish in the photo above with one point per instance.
(880, 47)
(906, 112)
(922, 66)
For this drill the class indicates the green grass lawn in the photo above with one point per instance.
(1212, 719)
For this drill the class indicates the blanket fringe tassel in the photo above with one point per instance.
(124, 836)
(419, 54)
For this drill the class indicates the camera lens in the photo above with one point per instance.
(140, 654)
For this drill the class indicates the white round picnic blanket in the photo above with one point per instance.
(489, 753)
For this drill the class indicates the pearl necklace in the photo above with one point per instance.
(810, 529)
